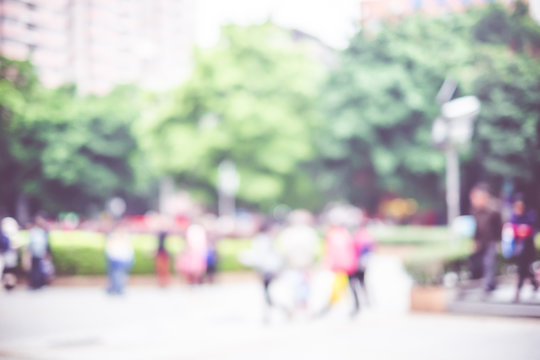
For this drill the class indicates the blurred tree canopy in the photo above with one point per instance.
(59, 151)
(252, 100)
(300, 132)
(380, 104)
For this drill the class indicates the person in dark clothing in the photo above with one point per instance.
(524, 223)
(487, 234)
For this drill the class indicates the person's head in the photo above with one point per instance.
(518, 205)
(300, 217)
(480, 196)
(39, 220)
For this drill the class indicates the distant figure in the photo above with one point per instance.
(365, 246)
(298, 244)
(5, 246)
(211, 260)
(264, 258)
(192, 261)
(40, 253)
(163, 261)
(120, 258)
(487, 234)
(341, 257)
(524, 223)
(8, 253)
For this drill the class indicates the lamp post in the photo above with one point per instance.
(451, 130)
(117, 207)
(228, 182)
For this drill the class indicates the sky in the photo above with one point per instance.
(332, 21)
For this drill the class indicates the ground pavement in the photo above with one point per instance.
(225, 321)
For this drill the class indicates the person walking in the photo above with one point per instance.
(120, 257)
(212, 259)
(40, 252)
(192, 261)
(298, 244)
(162, 261)
(487, 234)
(264, 258)
(523, 223)
(341, 257)
(9, 252)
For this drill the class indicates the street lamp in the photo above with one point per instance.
(452, 129)
(228, 182)
(117, 207)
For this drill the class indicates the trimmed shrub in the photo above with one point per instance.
(83, 252)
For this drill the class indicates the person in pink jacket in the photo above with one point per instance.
(192, 261)
(341, 257)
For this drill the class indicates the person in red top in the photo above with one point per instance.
(341, 257)
(163, 261)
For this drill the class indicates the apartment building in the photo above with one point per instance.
(373, 12)
(98, 44)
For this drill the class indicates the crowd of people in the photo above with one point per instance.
(517, 234)
(291, 254)
(284, 251)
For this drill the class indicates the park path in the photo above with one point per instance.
(225, 321)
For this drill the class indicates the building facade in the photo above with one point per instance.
(373, 12)
(98, 44)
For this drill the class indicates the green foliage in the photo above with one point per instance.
(83, 253)
(411, 235)
(62, 151)
(380, 104)
(251, 100)
(299, 133)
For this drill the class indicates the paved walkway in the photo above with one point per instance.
(225, 321)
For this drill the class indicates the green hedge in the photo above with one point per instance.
(410, 235)
(82, 252)
(431, 251)
(429, 263)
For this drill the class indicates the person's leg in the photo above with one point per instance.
(167, 271)
(362, 280)
(116, 277)
(2, 268)
(522, 274)
(32, 274)
(267, 279)
(121, 276)
(35, 273)
(110, 276)
(210, 273)
(531, 275)
(490, 264)
(162, 269)
(353, 279)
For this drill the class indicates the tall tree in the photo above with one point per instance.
(250, 100)
(380, 103)
(61, 152)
